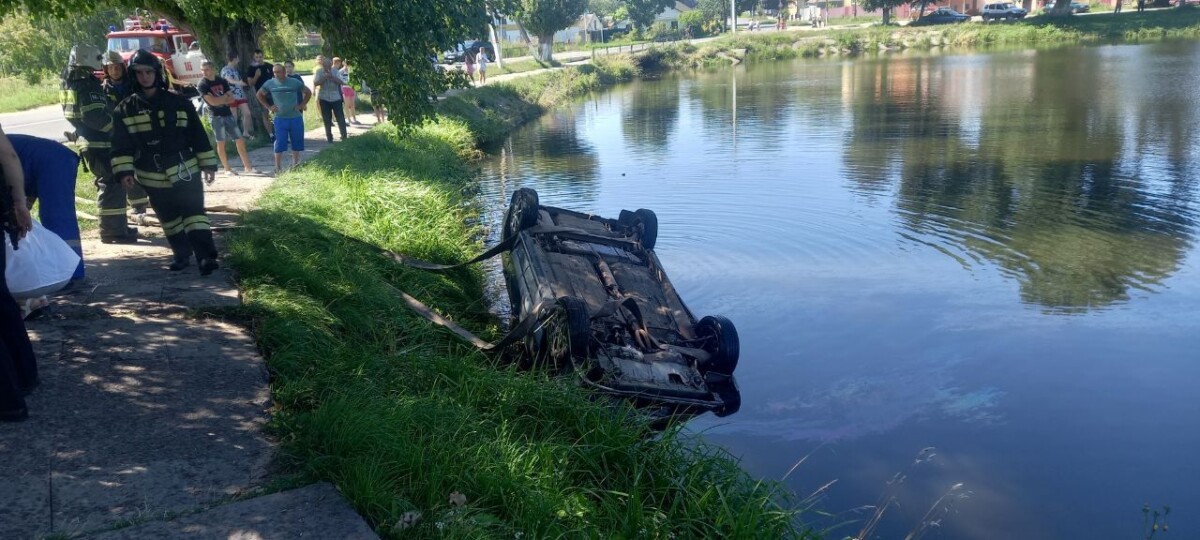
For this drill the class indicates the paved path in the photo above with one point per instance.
(146, 410)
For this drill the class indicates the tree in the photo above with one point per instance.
(603, 8)
(545, 17)
(642, 12)
(885, 5)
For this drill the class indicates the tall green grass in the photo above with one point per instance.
(17, 94)
(399, 415)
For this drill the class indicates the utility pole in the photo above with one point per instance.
(733, 15)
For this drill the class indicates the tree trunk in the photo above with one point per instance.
(887, 16)
(499, 47)
(546, 47)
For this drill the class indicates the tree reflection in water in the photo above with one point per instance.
(1072, 179)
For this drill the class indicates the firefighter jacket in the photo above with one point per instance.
(117, 91)
(160, 139)
(87, 108)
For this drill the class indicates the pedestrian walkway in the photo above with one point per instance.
(150, 409)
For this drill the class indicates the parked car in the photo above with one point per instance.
(459, 53)
(1003, 10)
(943, 15)
(1076, 7)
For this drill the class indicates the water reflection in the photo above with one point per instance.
(879, 231)
(1050, 186)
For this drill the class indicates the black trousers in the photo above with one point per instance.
(328, 109)
(18, 368)
(111, 196)
(180, 209)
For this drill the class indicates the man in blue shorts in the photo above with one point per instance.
(289, 98)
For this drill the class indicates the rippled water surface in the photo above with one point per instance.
(991, 255)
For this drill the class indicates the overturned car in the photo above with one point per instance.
(607, 311)
(591, 299)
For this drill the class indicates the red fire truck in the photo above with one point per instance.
(178, 50)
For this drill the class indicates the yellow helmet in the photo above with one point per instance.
(113, 57)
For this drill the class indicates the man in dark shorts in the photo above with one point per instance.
(257, 75)
(216, 94)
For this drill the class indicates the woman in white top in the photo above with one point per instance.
(483, 62)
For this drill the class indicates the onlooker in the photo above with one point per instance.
(329, 97)
(469, 60)
(168, 159)
(18, 367)
(49, 169)
(241, 106)
(289, 99)
(259, 73)
(348, 94)
(376, 103)
(290, 67)
(218, 95)
(483, 62)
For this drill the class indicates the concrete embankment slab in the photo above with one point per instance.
(317, 511)
(145, 410)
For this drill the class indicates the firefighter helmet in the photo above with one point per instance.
(144, 58)
(113, 58)
(85, 56)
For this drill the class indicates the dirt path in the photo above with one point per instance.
(146, 410)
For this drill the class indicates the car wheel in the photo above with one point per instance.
(720, 342)
(522, 213)
(567, 335)
(645, 227)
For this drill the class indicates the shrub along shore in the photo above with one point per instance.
(405, 419)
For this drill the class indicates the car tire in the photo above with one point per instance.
(721, 343)
(522, 213)
(645, 225)
(567, 334)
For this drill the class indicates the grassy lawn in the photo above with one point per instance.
(17, 94)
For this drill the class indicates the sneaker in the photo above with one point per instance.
(231, 171)
(141, 219)
(207, 266)
(178, 264)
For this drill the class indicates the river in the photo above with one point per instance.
(987, 254)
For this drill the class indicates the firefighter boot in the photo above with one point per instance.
(181, 252)
(202, 244)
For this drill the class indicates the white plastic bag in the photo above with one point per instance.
(43, 263)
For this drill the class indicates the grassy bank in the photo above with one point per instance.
(17, 94)
(398, 414)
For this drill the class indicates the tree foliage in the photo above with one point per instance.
(391, 41)
(642, 12)
(36, 47)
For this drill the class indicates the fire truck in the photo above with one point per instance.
(178, 50)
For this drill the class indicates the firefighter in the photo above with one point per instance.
(158, 140)
(87, 108)
(117, 87)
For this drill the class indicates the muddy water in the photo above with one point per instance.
(988, 254)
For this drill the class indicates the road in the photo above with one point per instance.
(46, 122)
